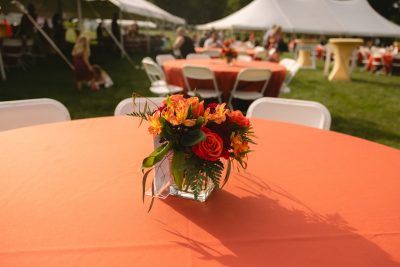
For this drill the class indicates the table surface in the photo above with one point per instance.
(248, 51)
(70, 195)
(225, 74)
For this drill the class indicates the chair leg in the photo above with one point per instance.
(230, 102)
(285, 89)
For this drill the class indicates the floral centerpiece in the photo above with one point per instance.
(228, 52)
(196, 141)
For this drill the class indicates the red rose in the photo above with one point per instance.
(211, 148)
(238, 118)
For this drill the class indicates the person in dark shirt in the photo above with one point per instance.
(27, 29)
(183, 43)
(116, 31)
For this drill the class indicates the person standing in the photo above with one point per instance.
(27, 29)
(268, 34)
(183, 43)
(115, 29)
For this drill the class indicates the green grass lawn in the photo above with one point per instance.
(367, 107)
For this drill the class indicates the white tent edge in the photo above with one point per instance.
(231, 22)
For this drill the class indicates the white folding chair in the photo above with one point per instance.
(201, 73)
(127, 106)
(245, 58)
(396, 64)
(250, 75)
(156, 76)
(22, 113)
(292, 67)
(307, 113)
(197, 56)
(13, 52)
(261, 55)
(212, 53)
(164, 58)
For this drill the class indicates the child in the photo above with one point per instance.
(101, 78)
(83, 68)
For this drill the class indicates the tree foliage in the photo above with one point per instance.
(201, 11)
(390, 9)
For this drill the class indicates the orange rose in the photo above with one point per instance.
(238, 118)
(211, 148)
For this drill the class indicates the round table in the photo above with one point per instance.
(225, 74)
(245, 51)
(70, 195)
(342, 49)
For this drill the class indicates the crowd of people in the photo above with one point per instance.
(272, 42)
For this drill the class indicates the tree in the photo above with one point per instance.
(201, 11)
(390, 9)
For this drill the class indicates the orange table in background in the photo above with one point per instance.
(225, 74)
(70, 195)
(245, 51)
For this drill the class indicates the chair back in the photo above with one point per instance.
(307, 113)
(197, 56)
(12, 47)
(153, 71)
(288, 63)
(212, 53)
(253, 75)
(22, 113)
(292, 67)
(259, 49)
(164, 58)
(198, 73)
(243, 57)
(261, 55)
(127, 106)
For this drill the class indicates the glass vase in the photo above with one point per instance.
(164, 184)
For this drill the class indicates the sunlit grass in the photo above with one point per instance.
(367, 107)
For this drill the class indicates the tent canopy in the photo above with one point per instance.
(91, 9)
(331, 17)
(146, 9)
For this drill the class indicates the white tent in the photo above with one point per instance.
(96, 8)
(146, 9)
(331, 17)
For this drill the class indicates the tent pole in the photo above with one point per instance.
(79, 8)
(21, 7)
(148, 40)
(121, 34)
(109, 32)
(3, 73)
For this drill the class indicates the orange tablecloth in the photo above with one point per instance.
(250, 52)
(70, 195)
(224, 73)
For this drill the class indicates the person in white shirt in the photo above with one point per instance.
(268, 34)
(213, 41)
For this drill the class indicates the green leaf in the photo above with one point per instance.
(178, 167)
(144, 183)
(156, 156)
(193, 137)
(200, 121)
(228, 173)
(152, 197)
